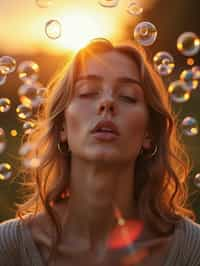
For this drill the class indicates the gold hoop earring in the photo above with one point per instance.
(63, 148)
(151, 155)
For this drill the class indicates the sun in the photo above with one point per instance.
(78, 28)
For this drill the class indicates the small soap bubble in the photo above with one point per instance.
(53, 29)
(24, 111)
(189, 126)
(5, 105)
(3, 77)
(28, 127)
(196, 180)
(196, 71)
(43, 3)
(188, 43)
(179, 92)
(145, 33)
(134, 9)
(188, 77)
(163, 63)
(108, 3)
(2, 140)
(29, 160)
(5, 171)
(7, 64)
(28, 71)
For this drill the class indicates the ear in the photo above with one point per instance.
(147, 141)
(63, 133)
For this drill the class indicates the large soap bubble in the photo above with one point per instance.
(134, 9)
(53, 29)
(7, 64)
(188, 43)
(179, 91)
(28, 71)
(145, 33)
(163, 63)
(189, 126)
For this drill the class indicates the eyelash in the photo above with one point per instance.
(130, 99)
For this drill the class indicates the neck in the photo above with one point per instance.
(89, 215)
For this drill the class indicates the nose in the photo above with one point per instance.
(106, 105)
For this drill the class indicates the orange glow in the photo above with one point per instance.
(190, 61)
(79, 27)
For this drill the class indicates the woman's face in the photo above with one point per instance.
(106, 89)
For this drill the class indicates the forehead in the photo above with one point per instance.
(112, 65)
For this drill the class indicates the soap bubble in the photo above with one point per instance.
(53, 29)
(28, 127)
(29, 94)
(5, 171)
(196, 71)
(7, 64)
(163, 63)
(188, 43)
(189, 126)
(43, 3)
(3, 77)
(5, 105)
(108, 3)
(134, 9)
(196, 180)
(29, 160)
(24, 111)
(145, 33)
(178, 91)
(28, 71)
(2, 140)
(188, 77)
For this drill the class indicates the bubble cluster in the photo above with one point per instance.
(108, 3)
(53, 29)
(5, 171)
(163, 63)
(188, 43)
(7, 64)
(43, 3)
(5, 105)
(179, 92)
(28, 71)
(188, 77)
(134, 9)
(145, 33)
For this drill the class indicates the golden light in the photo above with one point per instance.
(79, 27)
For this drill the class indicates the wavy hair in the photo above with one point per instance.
(161, 189)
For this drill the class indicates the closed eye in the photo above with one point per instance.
(131, 99)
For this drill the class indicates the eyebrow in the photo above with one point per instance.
(121, 79)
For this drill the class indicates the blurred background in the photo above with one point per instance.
(24, 36)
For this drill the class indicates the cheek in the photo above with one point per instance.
(77, 117)
(137, 122)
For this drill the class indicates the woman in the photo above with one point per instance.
(109, 153)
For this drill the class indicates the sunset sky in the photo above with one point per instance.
(23, 24)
